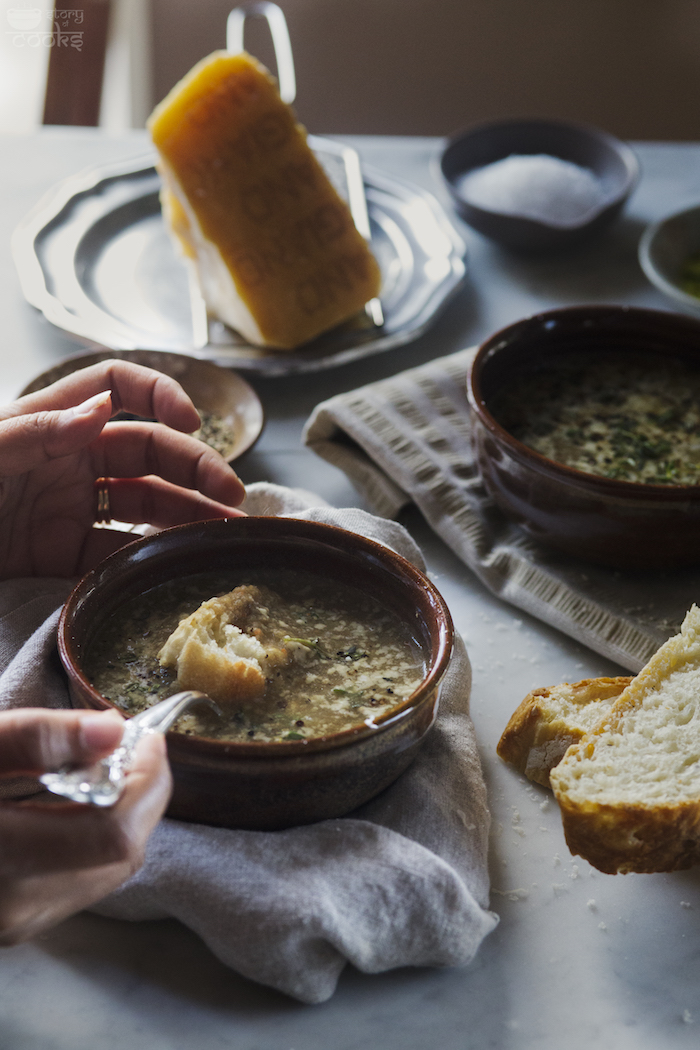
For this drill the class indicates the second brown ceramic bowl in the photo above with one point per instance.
(272, 785)
(617, 523)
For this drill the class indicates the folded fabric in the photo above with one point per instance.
(408, 439)
(402, 881)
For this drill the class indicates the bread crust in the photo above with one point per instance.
(539, 733)
(211, 651)
(633, 838)
(629, 791)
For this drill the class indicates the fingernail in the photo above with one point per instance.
(96, 401)
(97, 731)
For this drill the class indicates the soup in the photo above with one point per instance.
(352, 660)
(629, 419)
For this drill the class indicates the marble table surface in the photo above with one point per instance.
(579, 959)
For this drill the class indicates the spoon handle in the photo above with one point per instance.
(103, 783)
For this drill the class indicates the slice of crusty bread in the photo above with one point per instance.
(629, 791)
(218, 648)
(550, 719)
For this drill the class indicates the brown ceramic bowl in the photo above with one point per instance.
(617, 523)
(272, 785)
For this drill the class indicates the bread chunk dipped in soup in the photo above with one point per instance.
(628, 418)
(287, 655)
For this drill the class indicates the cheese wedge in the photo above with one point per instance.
(275, 248)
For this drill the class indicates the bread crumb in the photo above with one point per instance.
(688, 1017)
(519, 894)
(544, 805)
(558, 888)
(602, 926)
(461, 816)
(592, 904)
(557, 860)
(686, 904)
(574, 871)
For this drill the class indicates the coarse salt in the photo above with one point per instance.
(536, 186)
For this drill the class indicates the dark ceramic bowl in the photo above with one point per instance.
(618, 523)
(610, 160)
(272, 785)
(664, 249)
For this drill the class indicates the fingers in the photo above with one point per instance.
(58, 860)
(161, 503)
(34, 740)
(148, 789)
(28, 441)
(31, 905)
(40, 838)
(136, 450)
(136, 389)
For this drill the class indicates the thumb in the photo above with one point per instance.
(28, 441)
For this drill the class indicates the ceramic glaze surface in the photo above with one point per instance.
(609, 522)
(261, 784)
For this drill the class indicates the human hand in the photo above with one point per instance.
(55, 443)
(59, 857)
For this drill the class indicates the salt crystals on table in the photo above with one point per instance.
(536, 186)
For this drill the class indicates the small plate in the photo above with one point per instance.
(230, 408)
(95, 257)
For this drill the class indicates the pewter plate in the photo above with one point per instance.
(95, 257)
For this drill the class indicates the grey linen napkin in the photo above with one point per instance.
(408, 439)
(402, 881)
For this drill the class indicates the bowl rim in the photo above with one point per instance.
(252, 750)
(622, 149)
(552, 467)
(644, 250)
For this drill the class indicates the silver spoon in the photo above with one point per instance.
(103, 783)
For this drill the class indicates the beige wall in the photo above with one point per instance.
(429, 67)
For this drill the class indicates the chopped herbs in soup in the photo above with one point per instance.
(287, 656)
(632, 420)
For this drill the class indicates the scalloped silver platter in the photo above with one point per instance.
(94, 256)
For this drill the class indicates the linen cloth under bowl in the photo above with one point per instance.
(408, 439)
(402, 881)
